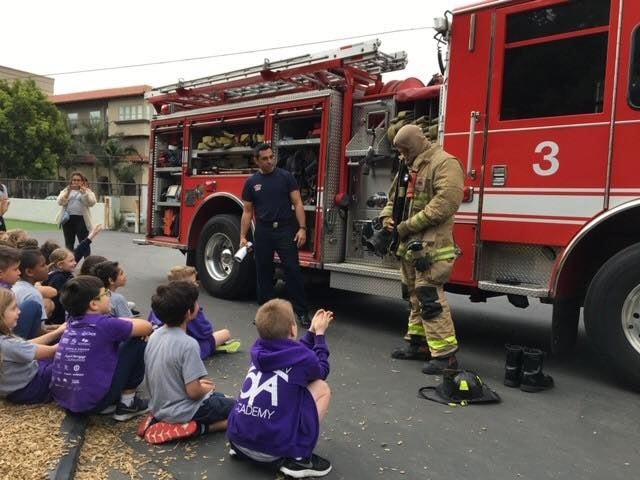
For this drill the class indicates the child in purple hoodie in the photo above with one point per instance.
(209, 340)
(284, 397)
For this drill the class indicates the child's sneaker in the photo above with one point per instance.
(124, 412)
(234, 452)
(108, 410)
(146, 422)
(230, 346)
(162, 432)
(315, 466)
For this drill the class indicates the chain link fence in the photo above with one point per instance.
(126, 201)
(49, 189)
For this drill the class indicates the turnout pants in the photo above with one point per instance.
(430, 317)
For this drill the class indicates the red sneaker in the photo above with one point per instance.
(162, 432)
(146, 422)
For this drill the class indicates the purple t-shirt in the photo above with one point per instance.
(86, 359)
(199, 328)
(275, 413)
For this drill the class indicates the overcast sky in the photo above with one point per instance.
(49, 38)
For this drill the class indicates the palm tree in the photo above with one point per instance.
(114, 149)
(95, 140)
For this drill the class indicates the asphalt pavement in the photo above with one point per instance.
(587, 427)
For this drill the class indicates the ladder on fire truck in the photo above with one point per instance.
(362, 63)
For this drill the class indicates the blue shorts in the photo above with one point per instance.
(214, 409)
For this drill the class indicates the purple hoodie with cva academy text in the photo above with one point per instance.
(275, 413)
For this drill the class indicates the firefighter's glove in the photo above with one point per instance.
(387, 223)
(422, 264)
(403, 230)
(421, 261)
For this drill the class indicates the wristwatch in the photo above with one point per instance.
(302, 227)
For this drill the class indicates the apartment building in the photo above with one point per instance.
(43, 83)
(120, 111)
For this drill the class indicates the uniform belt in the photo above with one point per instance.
(277, 223)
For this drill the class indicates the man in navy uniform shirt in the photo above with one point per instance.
(269, 194)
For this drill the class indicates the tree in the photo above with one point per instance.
(126, 173)
(34, 137)
(108, 150)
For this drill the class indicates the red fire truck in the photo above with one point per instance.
(541, 104)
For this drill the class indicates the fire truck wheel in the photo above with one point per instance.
(564, 325)
(612, 313)
(218, 273)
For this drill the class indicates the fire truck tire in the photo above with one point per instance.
(564, 325)
(218, 273)
(612, 313)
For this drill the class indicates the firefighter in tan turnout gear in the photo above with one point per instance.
(426, 249)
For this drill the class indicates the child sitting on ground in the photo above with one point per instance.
(100, 358)
(183, 398)
(89, 262)
(113, 277)
(200, 327)
(30, 317)
(284, 396)
(81, 251)
(20, 241)
(62, 263)
(33, 270)
(9, 266)
(16, 237)
(25, 365)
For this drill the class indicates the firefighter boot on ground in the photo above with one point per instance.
(533, 379)
(513, 366)
(436, 366)
(416, 349)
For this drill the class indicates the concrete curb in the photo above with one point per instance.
(74, 428)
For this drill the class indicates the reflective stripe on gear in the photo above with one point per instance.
(416, 329)
(442, 344)
(444, 253)
(439, 254)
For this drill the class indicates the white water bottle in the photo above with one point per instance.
(241, 253)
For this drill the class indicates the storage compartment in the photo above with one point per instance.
(298, 128)
(167, 183)
(224, 148)
(297, 148)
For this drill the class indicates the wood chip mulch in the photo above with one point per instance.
(104, 451)
(30, 440)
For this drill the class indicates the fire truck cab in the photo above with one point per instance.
(540, 101)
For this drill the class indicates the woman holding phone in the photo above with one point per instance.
(74, 217)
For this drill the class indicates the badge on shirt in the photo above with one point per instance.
(257, 187)
(420, 182)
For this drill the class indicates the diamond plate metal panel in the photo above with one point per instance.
(361, 138)
(334, 223)
(517, 264)
(357, 253)
(522, 289)
(364, 270)
(371, 285)
(366, 186)
(155, 214)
